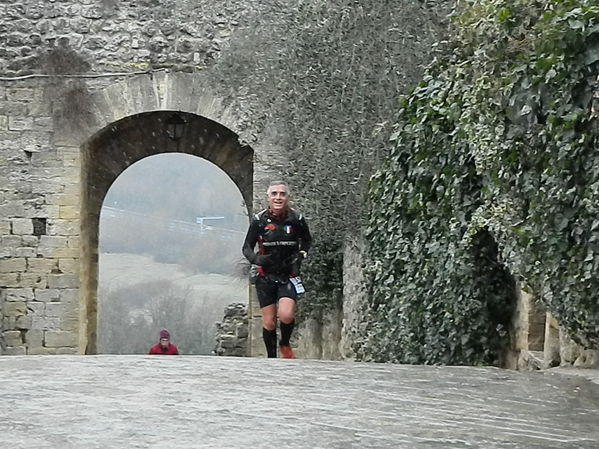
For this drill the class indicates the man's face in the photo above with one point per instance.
(164, 342)
(278, 197)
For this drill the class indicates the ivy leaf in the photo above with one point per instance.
(591, 55)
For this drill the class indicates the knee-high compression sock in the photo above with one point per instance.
(286, 329)
(270, 341)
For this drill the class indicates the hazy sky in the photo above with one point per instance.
(181, 187)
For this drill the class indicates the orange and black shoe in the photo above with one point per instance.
(286, 352)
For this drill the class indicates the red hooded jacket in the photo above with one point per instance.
(157, 349)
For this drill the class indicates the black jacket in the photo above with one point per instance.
(280, 238)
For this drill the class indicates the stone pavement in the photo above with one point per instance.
(218, 402)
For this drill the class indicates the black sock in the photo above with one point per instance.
(270, 341)
(286, 329)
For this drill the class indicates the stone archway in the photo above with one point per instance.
(120, 144)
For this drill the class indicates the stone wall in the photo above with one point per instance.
(69, 71)
(538, 341)
(232, 334)
(330, 333)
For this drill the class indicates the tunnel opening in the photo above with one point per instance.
(118, 146)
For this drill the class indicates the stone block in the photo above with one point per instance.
(72, 188)
(15, 350)
(3, 123)
(50, 245)
(57, 253)
(13, 265)
(42, 265)
(588, 358)
(25, 251)
(69, 295)
(63, 281)
(48, 211)
(71, 160)
(73, 242)
(22, 226)
(55, 309)
(14, 309)
(69, 200)
(4, 227)
(19, 123)
(10, 280)
(44, 323)
(11, 241)
(569, 351)
(34, 338)
(43, 124)
(40, 350)
(56, 338)
(33, 280)
(23, 322)
(47, 295)
(68, 212)
(9, 322)
(12, 338)
(20, 93)
(67, 351)
(51, 241)
(30, 241)
(63, 227)
(68, 265)
(19, 294)
(7, 252)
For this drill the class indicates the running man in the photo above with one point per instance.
(283, 240)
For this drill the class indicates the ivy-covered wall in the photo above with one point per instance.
(492, 179)
(326, 76)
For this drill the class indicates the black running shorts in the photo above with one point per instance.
(270, 291)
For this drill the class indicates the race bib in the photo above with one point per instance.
(297, 283)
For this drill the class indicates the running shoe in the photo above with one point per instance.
(286, 352)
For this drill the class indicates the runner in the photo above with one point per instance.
(283, 240)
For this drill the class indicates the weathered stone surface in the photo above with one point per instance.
(19, 294)
(15, 350)
(63, 281)
(22, 226)
(12, 338)
(4, 227)
(26, 252)
(232, 333)
(41, 265)
(63, 227)
(57, 338)
(33, 280)
(318, 404)
(10, 280)
(12, 265)
(14, 309)
(34, 339)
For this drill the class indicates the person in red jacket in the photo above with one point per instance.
(165, 347)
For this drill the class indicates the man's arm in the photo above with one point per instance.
(250, 242)
(306, 237)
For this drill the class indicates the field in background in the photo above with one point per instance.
(138, 296)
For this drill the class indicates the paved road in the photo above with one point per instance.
(210, 402)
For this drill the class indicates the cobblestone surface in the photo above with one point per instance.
(220, 402)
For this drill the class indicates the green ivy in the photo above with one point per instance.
(493, 177)
(326, 76)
